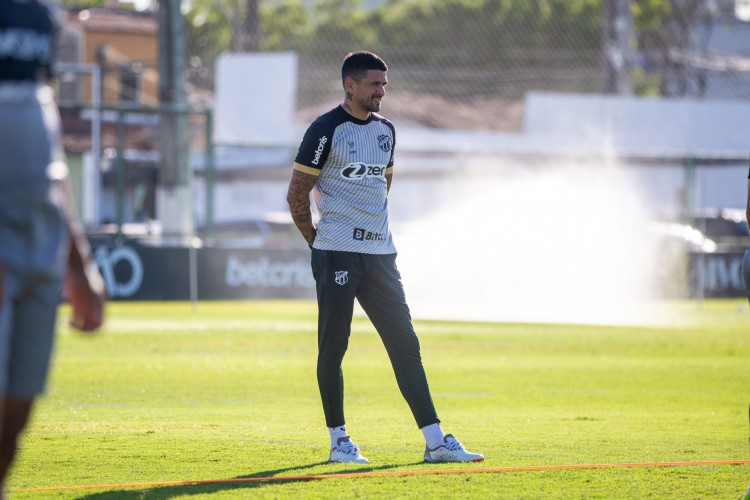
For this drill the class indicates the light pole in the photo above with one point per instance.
(174, 195)
(617, 49)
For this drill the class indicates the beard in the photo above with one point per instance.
(373, 105)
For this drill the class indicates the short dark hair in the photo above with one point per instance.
(356, 65)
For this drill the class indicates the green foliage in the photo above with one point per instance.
(650, 14)
(663, 27)
(208, 26)
(479, 36)
(494, 23)
(533, 45)
(479, 39)
(338, 24)
(647, 86)
(83, 4)
(455, 48)
(285, 26)
(227, 390)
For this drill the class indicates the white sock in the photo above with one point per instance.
(336, 433)
(433, 436)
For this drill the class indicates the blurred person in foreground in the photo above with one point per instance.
(346, 162)
(41, 249)
(746, 259)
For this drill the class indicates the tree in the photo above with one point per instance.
(216, 26)
(459, 47)
(208, 31)
(671, 35)
(285, 26)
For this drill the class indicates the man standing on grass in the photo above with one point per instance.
(346, 161)
(40, 246)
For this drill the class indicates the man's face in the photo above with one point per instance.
(369, 91)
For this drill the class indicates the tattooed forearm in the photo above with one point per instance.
(302, 218)
(298, 198)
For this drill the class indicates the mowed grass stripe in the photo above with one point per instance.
(349, 475)
(228, 390)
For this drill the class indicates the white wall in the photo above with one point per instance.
(255, 97)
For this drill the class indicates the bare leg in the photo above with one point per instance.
(15, 416)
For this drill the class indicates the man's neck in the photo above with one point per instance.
(359, 114)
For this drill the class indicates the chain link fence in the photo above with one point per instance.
(454, 65)
(468, 64)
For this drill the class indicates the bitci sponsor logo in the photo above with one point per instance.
(364, 235)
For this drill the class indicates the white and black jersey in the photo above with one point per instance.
(351, 158)
(33, 233)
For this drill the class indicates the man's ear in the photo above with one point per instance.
(349, 84)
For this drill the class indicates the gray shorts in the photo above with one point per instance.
(27, 324)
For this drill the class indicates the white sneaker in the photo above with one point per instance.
(451, 451)
(347, 452)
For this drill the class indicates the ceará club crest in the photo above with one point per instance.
(342, 277)
(384, 142)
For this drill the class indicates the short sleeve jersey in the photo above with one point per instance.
(33, 233)
(351, 158)
(27, 39)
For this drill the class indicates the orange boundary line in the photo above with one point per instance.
(390, 473)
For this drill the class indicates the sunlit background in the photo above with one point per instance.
(556, 161)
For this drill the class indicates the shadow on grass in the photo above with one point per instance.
(159, 492)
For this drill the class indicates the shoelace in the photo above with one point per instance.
(453, 445)
(348, 447)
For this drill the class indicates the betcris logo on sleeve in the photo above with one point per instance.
(360, 170)
(319, 151)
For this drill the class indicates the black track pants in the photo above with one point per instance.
(375, 282)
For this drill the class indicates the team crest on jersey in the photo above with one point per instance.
(384, 142)
(342, 277)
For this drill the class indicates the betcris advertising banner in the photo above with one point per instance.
(135, 271)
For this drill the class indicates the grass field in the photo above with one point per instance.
(169, 393)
